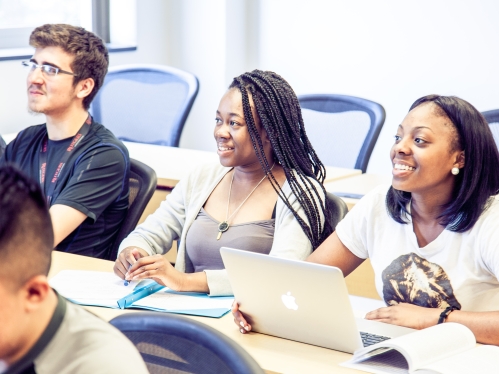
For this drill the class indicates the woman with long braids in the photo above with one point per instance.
(266, 196)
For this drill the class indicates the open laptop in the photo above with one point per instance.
(300, 301)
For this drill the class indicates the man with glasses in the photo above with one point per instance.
(82, 168)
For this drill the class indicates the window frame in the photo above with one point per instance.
(100, 24)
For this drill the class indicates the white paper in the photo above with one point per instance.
(446, 348)
(91, 287)
(175, 301)
(105, 289)
(425, 346)
(482, 359)
(391, 362)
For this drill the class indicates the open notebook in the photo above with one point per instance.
(96, 288)
(448, 348)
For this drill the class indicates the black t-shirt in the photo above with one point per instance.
(93, 181)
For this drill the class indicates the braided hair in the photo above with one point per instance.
(280, 115)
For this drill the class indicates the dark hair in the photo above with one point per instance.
(91, 58)
(477, 181)
(26, 234)
(279, 112)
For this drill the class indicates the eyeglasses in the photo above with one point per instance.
(47, 69)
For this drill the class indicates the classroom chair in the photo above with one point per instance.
(170, 343)
(338, 209)
(146, 103)
(342, 129)
(492, 117)
(142, 184)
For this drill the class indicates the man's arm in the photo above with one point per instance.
(97, 181)
(64, 221)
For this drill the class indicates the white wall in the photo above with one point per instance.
(199, 34)
(13, 106)
(391, 52)
(387, 51)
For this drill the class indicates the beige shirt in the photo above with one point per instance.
(76, 341)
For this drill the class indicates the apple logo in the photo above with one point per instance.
(289, 301)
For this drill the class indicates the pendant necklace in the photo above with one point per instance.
(224, 226)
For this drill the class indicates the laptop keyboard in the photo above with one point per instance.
(370, 339)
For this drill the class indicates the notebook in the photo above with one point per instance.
(105, 289)
(300, 301)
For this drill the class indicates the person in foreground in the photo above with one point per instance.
(40, 332)
(82, 168)
(432, 237)
(266, 195)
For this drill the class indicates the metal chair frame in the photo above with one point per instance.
(332, 103)
(235, 358)
(178, 125)
(146, 178)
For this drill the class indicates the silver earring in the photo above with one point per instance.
(455, 171)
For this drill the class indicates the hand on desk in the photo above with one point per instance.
(408, 315)
(239, 319)
(135, 264)
(140, 265)
(126, 259)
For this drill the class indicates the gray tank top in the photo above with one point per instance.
(203, 249)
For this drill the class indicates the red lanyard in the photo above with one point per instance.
(43, 157)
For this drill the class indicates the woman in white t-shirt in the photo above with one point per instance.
(433, 236)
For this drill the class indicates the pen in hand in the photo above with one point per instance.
(131, 260)
(128, 282)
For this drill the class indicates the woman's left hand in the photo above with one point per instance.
(157, 268)
(407, 315)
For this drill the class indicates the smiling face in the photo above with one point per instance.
(234, 146)
(51, 94)
(424, 152)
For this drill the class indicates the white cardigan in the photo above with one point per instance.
(175, 215)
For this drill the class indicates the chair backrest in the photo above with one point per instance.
(342, 129)
(142, 186)
(2, 146)
(146, 103)
(492, 117)
(338, 209)
(174, 344)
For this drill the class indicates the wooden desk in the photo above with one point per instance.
(273, 354)
(334, 173)
(172, 164)
(357, 184)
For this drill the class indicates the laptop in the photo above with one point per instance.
(300, 301)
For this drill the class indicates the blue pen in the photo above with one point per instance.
(128, 282)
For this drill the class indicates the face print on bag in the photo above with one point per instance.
(412, 279)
